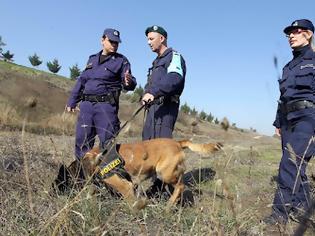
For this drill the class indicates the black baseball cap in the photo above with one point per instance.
(112, 35)
(299, 24)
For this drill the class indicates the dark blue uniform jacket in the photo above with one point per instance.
(297, 84)
(166, 77)
(101, 78)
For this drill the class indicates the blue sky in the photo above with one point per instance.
(228, 45)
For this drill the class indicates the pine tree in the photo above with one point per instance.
(1, 45)
(7, 56)
(53, 66)
(210, 117)
(34, 60)
(74, 71)
(194, 112)
(203, 115)
(139, 90)
(185, 108)
(137, 94)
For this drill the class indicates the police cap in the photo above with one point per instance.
(112, 35)
(157, 29)
(302, 24)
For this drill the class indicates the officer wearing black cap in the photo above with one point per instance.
(295, 123)
(166, 79)
(98, 88)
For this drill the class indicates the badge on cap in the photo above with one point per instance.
(295, 23)
(155, 27)
(116, 33)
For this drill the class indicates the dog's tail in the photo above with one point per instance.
(204, 148)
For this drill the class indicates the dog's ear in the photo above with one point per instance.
(77, 171)
(62, 183)
(69, 178)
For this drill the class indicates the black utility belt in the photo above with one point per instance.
(296, 106)
(108, 98)
(164, 99)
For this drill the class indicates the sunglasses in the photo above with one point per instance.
(295, 32)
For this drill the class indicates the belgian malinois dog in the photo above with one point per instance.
(162, 157)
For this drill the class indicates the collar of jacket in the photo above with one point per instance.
(107, 57)
(309, 53)
(299, 52)
(165, 53)
(306, 53)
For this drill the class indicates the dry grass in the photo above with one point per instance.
(10, 119)
(232, 204)
(64, 122)
(8, 114)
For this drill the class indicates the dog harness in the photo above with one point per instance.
(112, 163)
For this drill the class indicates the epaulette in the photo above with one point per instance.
(119, 55)
(93, 55)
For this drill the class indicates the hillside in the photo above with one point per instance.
(41, 97)
(233, 203)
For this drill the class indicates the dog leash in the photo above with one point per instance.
(108, 149)
(132, 117)
(112, 141)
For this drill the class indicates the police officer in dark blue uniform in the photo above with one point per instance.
(98, 88)
(295, 122)
(166, 79)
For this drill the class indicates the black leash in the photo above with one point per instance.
(146, 105)
(132, 117)
(107, 152)
(112, 141)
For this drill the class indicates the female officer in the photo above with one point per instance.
(295, 123)
(99, 87)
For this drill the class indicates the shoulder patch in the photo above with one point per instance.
(89, 66)
(308, 66)
(176, 64)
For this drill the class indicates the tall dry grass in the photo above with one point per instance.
(64, 122)
(8, 114)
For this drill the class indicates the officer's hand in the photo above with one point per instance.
(147, 98)
(278, 132)
(128, 78)
(69, 109)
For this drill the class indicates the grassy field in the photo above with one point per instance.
(233, 203)
(36, 137)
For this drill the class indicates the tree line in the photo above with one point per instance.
(53, 66)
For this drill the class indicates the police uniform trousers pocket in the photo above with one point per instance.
(166, 115)
(302, 138)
